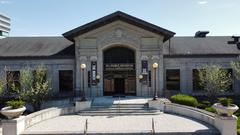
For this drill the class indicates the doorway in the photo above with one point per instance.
(119, 71)
(119, 86)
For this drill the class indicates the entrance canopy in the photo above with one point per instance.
(115, 17)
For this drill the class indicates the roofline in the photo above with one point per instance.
(35, 57)
(118, 16)
(199, 55)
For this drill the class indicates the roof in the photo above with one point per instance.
(201, 46)
(36, 47)
(118, 16)
(60, 47)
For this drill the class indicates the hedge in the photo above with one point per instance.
(184, 99)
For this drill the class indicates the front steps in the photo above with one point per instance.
(119, 106)
(123, 109)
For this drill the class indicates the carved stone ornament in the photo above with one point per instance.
(144, 57)
(119, 33)
(83, 58)
(155, 57)
(93, 58)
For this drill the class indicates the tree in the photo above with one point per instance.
(34, 86)
(214, 80)
(236, 67)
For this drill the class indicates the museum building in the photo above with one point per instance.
(119, 54)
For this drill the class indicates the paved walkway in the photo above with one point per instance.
(120, 124)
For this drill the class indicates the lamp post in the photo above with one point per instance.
(83, 66)
(140, 77)
(98, 80)
(155, 66)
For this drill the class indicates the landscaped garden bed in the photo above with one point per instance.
(189, 100)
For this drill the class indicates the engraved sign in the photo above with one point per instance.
(122, 67)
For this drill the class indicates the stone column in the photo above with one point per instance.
(226, 125)
(77, 75)
(161, 76)
(55, 78)
(14, 126)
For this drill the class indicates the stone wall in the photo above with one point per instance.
(186, 65)
(52, 65)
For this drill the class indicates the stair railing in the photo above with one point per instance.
(153, 127)
(119, 104)
(85, 127)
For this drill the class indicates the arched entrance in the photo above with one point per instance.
(119, 72)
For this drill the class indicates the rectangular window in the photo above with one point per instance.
(65, 80)
(173, 79)
(13, 80)
(196, 80)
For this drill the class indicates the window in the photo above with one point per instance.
(173, 79)
(65, 80)
(13, 80)
(196, 80)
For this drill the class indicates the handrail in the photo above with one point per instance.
(85, 127)
(153, 127)
(119, 104)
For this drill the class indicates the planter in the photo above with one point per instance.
(225, 110)
(82, 105)
(12, 113)
(158, 104)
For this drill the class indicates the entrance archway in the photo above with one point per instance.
(119, 72)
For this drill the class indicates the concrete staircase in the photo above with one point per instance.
(119, 106)
(120, 109)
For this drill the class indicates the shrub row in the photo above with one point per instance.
(184, 99)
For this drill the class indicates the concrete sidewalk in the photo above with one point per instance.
(164, 123)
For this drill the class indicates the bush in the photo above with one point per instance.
(15, 104)
(184, 100)
(210, 109)
(204, 104)
(238, 131)
(225, 101)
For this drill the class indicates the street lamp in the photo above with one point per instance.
(140, 77)
(155, 66)
(83, 66)
(98, 77)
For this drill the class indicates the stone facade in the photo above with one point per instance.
(148, 44)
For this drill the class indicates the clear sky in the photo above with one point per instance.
(184, 17)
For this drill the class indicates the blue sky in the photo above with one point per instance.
(185, 17)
